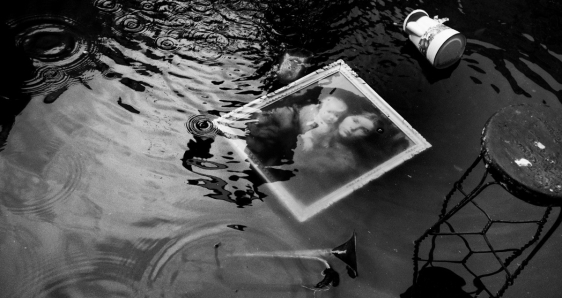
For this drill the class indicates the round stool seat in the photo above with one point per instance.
(522, 146)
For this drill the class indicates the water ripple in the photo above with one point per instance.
(54, 41)
(131, 23)
(39, 195)
(175, 21)
(47, 80)
(166, 43)
(107, 5)
(203, 31)
(77, 273)
(148, 5)
(60, 52)
(201, 6)
(200, 125)
(213, 253)
(77, 268)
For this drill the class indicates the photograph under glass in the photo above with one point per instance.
(320, 138)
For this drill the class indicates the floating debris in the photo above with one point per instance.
(439, 44)
(127, 106)
(293, 66)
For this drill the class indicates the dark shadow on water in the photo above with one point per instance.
(17, 67)
(127, 107)
(437, 282)
(305, 28)
(198, 157)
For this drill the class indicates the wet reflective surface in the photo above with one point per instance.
(114, 184)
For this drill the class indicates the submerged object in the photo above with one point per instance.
(331, 278)
(293, 66)
(521, 152)
(345, 252)
(442, 46)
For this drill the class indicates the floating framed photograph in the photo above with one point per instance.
(320, 138)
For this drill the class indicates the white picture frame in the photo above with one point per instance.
(301, 189)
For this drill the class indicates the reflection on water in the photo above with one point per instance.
(196, 160)
(110, 189)
(60, 52)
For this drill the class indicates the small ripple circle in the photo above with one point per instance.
(147, 5)
(166, 43)
(107, 5)
(200, 125)
(131, 23)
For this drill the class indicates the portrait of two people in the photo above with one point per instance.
(321, 138)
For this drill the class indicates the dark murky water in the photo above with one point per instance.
(113, 185)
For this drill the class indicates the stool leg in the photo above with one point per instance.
(468, 197)
(524, 263)
(444, 216)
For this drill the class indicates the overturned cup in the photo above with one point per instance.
(441, 45)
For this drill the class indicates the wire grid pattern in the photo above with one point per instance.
(444, 228)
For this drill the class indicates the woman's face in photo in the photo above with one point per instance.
(355, 126)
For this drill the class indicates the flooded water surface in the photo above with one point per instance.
(114, 182)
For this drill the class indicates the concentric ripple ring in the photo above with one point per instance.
(200, 125)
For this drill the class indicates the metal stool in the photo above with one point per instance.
(521, 151)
